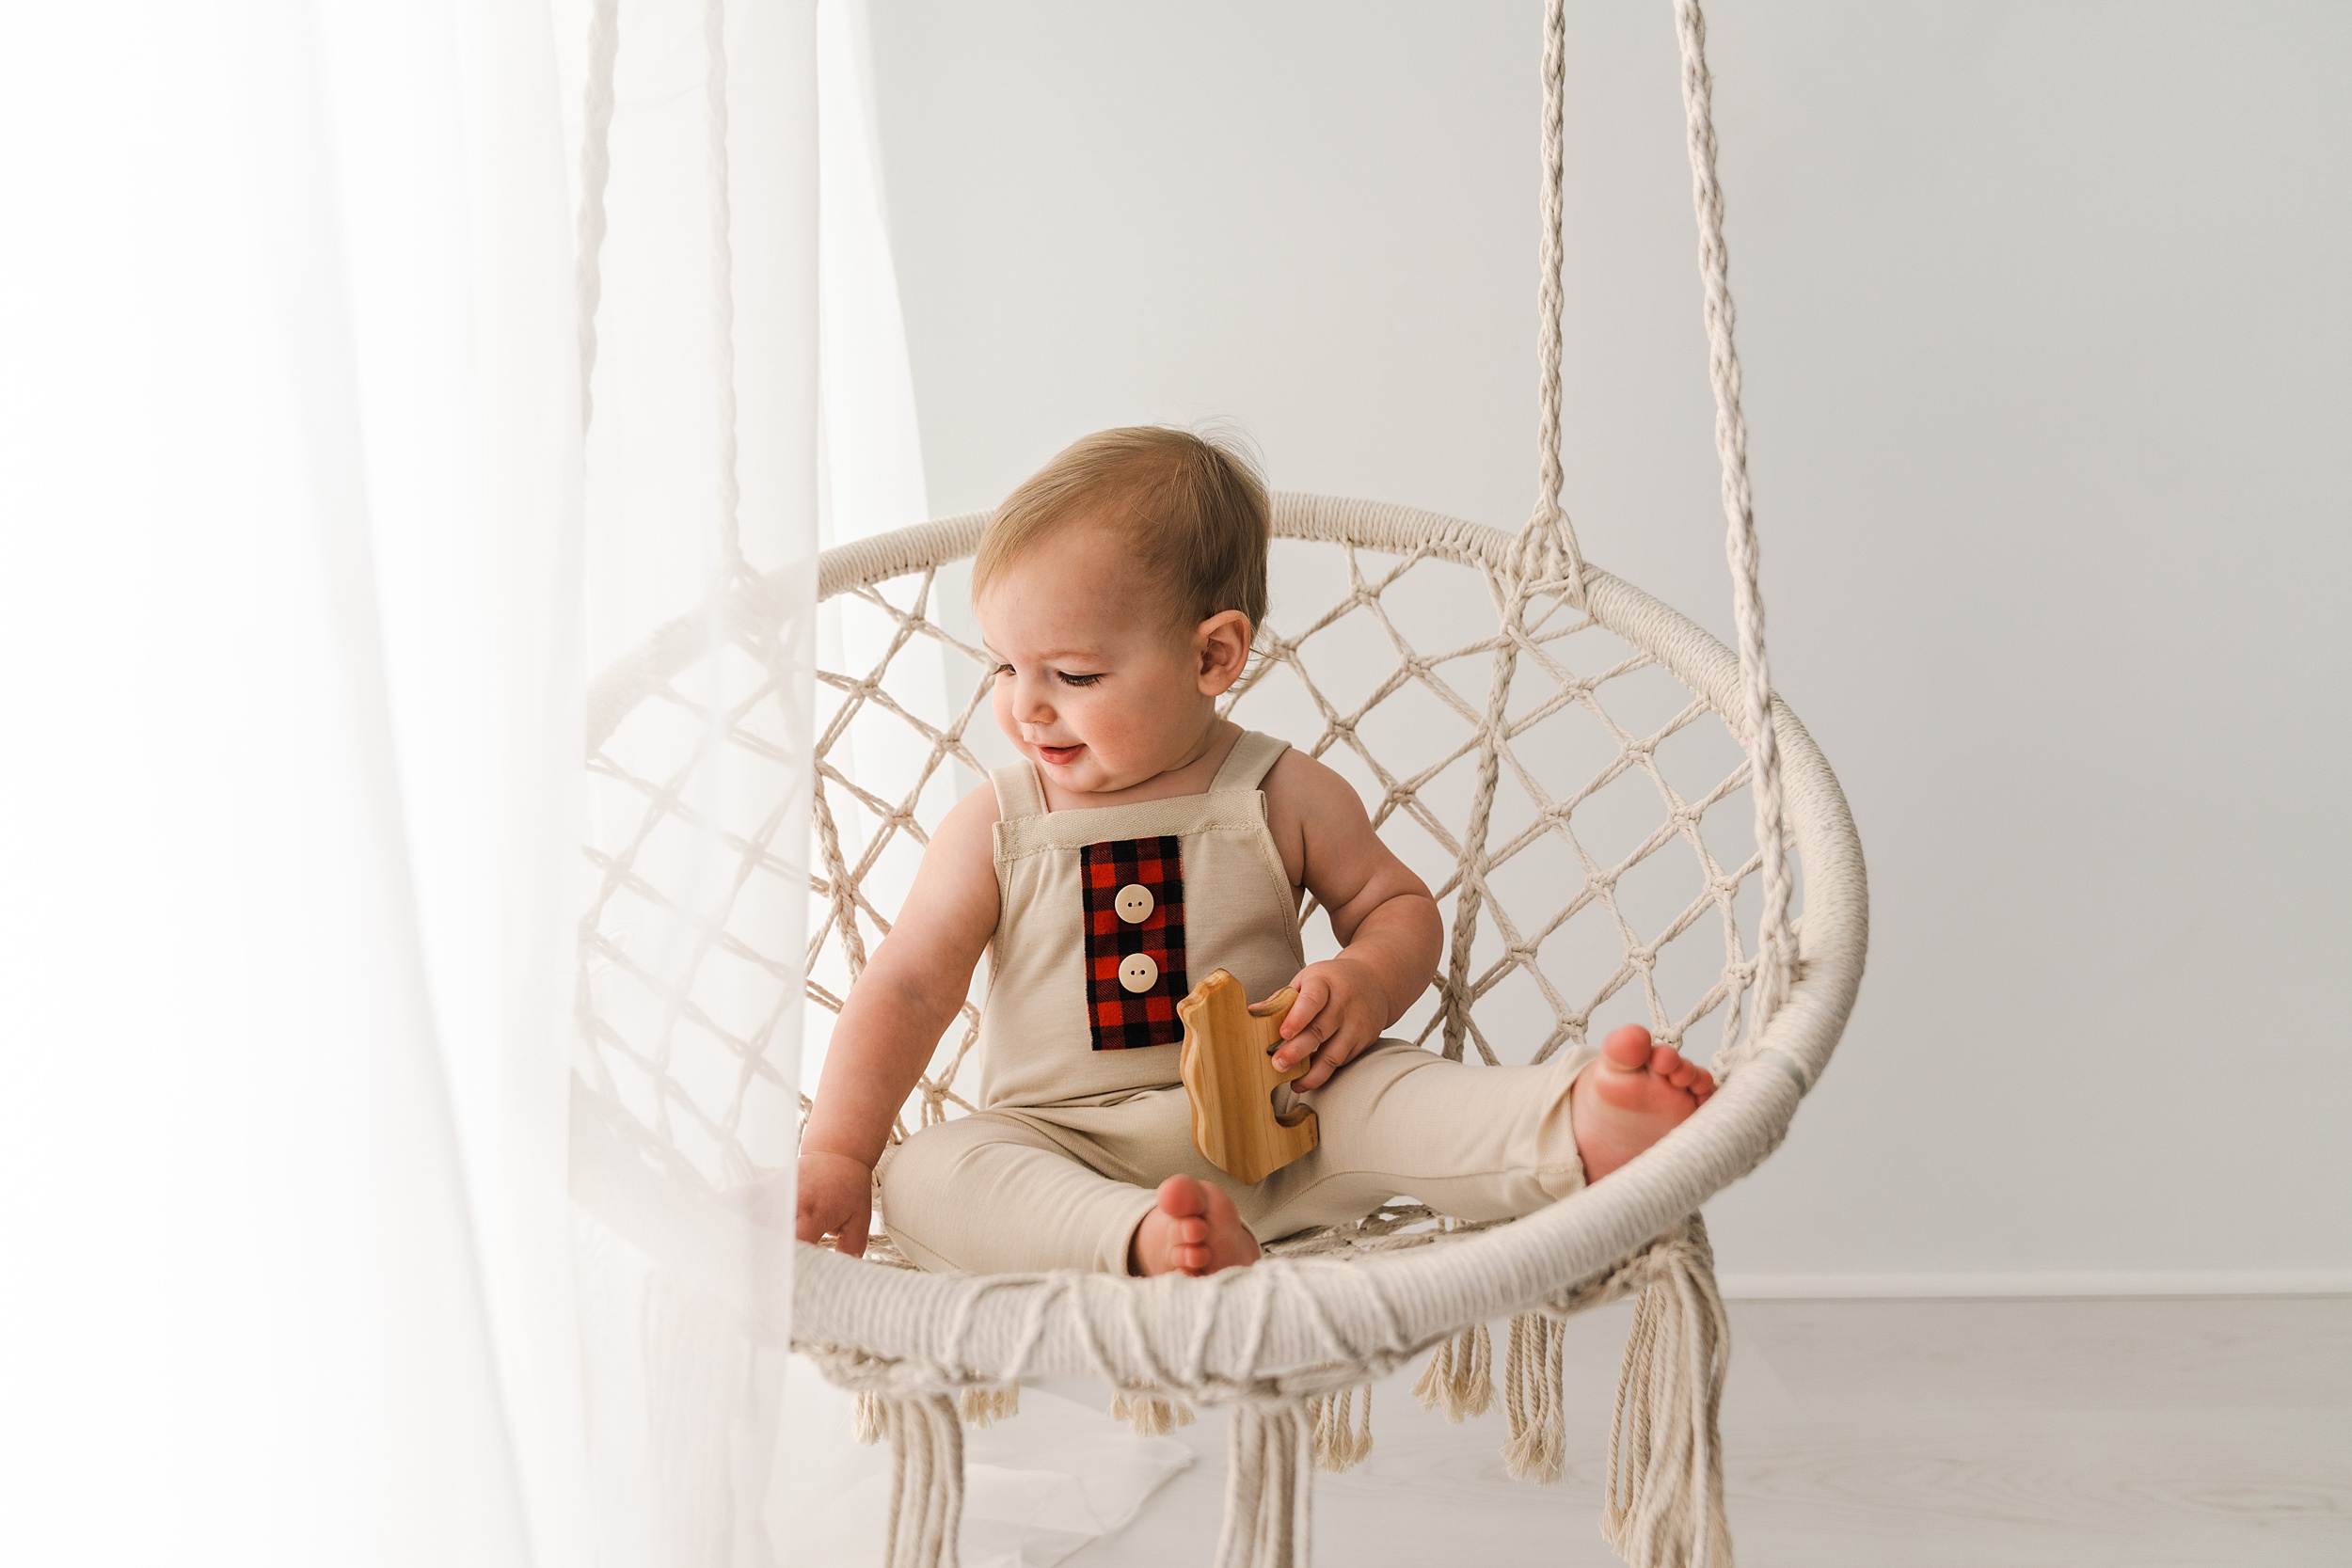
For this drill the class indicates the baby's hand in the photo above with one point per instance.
(1340, 1009)
(837, 1199)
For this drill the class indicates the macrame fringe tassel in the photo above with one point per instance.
(1269, 1489)
(1664, 1503)
(1459, 1380)
(867, 1418)
(982, 1407)
(926, 1481)
(1150, 1415)
(1341, 1439)
(1530, 1397)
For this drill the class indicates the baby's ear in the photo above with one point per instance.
(1222, 644)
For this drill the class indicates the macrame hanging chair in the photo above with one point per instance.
(1292, 1344)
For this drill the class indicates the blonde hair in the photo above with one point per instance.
(1194, 509)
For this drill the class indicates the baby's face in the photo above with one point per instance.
(1095, 681)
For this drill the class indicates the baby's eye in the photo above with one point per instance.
(1069, 679)
(1002, 670)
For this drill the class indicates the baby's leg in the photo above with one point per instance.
(1193, 1224)
(1480, 1142)
(996, 1192)
(1116, 1188)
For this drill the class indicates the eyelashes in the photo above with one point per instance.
(1062, 675)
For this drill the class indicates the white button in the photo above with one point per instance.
(1134, 903)
(1139, 973)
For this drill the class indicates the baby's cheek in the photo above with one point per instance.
(1126, 732)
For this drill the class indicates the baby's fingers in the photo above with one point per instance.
(814, 1219)
(1303, 1044)
(1329, 1060)
(1313, 991)
(1299, 1046)
(1303, 1027)
(846, 1224)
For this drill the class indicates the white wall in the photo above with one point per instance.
(2044, 315)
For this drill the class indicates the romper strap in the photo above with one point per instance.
(1019, 791)
(1249, 762)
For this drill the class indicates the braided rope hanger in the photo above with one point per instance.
(1294, 1327)
(1775, 955)
(1549, 553)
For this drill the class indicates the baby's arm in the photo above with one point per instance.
(1383, 915)
(892, 1021)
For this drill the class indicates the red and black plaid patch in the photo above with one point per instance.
(1121, 1019)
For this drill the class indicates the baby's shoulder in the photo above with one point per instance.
(1306, 784)
(977, 812)
(954, 894)
(1311, 811)
(966, 840)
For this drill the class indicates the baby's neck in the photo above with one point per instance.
(1191, 776)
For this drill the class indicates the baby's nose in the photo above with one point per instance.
(1030, 703)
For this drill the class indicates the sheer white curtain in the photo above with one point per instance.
(871, 457)
(301, 586)
(702, 484)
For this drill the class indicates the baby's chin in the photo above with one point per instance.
(1081, 770)
(1083, 775)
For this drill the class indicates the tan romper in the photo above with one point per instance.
(1108, 917)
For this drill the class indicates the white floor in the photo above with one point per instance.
(1975, 1433)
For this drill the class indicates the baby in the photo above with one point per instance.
(1141, 844)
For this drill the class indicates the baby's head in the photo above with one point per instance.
(1119, 589)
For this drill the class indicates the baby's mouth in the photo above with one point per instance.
(1059, 755)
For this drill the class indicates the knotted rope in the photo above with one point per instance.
(925, 1482)
(1664, 1498)
(1548, 556)
(1269, 1489)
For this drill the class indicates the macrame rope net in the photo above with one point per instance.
(1567, 769)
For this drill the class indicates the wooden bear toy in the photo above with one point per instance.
(1228, 1070)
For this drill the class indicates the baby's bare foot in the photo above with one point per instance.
(1194, 1229)
(1633, 1096)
